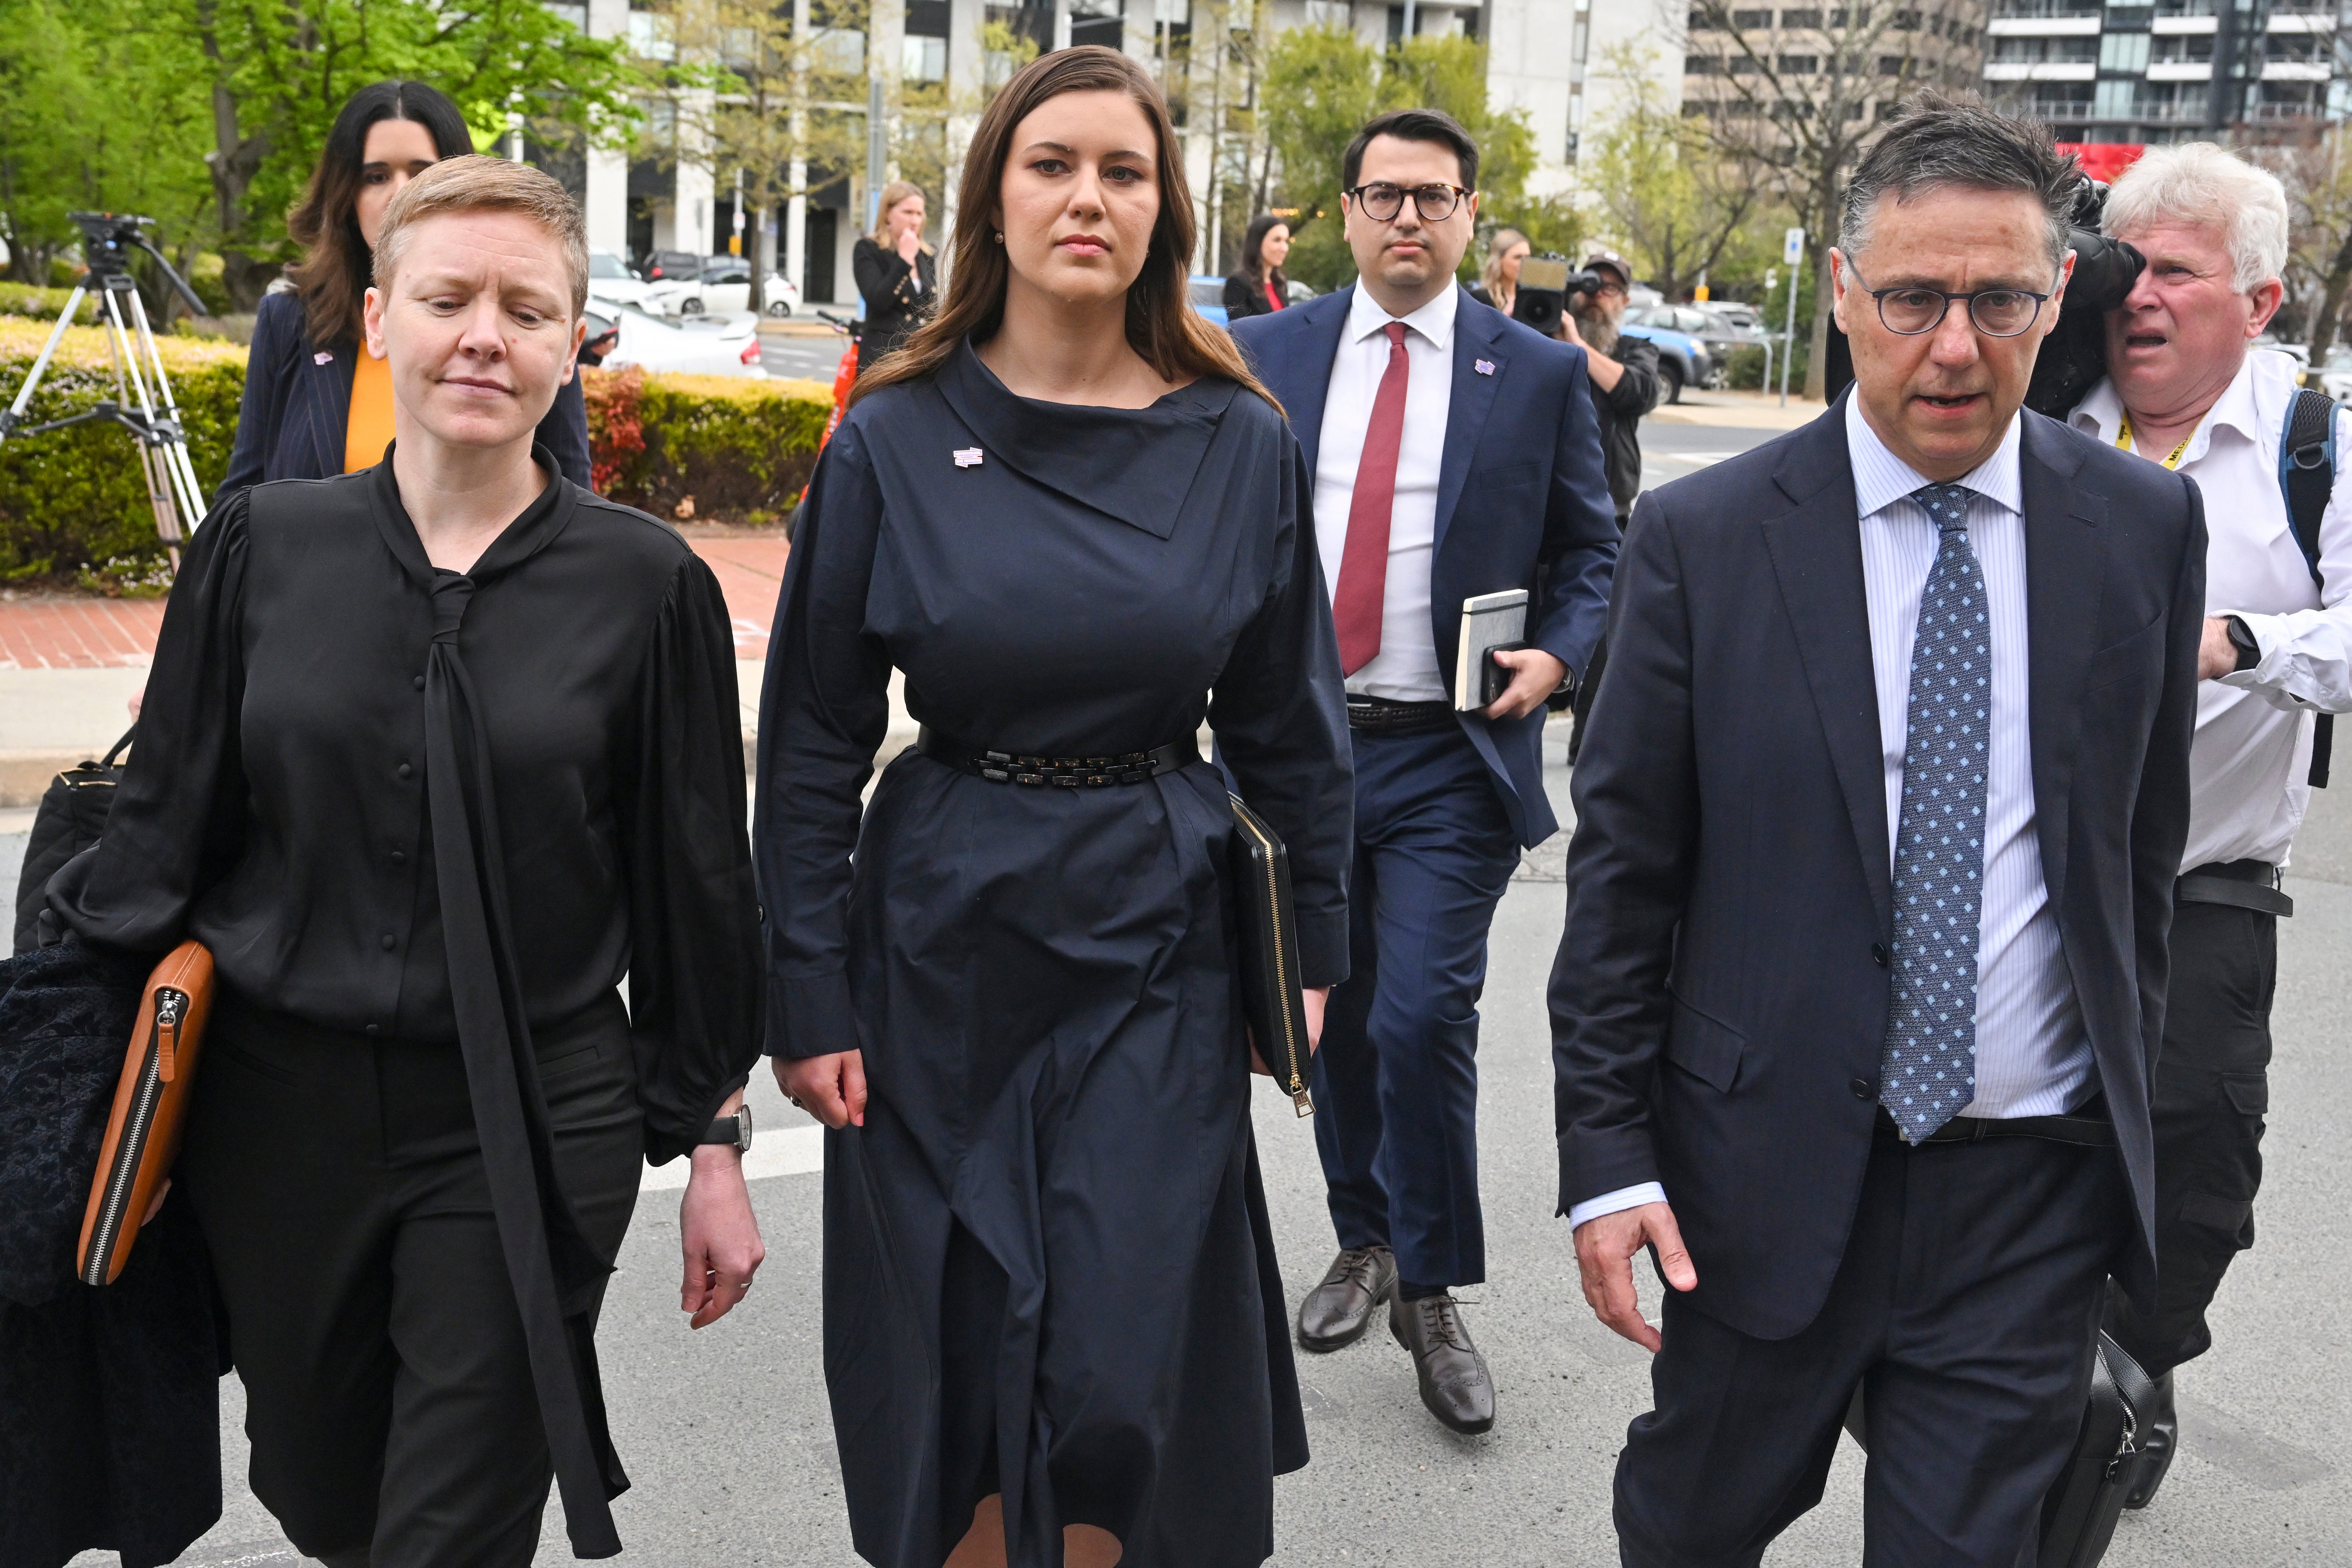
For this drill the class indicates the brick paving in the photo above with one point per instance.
(75, 631)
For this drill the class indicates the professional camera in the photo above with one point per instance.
(1545, 284)
(2073, 357)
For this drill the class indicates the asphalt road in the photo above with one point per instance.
(726, 1436)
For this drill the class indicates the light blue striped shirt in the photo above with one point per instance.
(2032, 1055)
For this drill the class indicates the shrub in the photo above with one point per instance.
(42, 304)
(739, 447)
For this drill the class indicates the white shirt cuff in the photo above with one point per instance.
(1609, 1202)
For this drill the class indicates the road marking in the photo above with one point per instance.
(788, 1152)
(1695, 458)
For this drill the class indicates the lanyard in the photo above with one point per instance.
(2123, 439)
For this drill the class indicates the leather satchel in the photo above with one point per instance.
(150, 1105)
(71, 815)
(1268, 924)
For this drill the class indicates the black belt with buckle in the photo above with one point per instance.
(1065, 772)
(2087, 1126)
(1387, 716)
(2241, 884)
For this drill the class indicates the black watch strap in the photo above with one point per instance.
(2242, 637)
(735, 1129)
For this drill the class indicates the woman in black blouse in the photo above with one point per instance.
(313, 407)
(1053, 1322)
(896, 274)
(432, 755)
(1259, 286)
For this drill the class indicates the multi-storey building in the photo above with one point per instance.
(2168, 70)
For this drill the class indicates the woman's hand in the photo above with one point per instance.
(1311, 1001)
(721, 1238)
(909, 241)
(831, 1087)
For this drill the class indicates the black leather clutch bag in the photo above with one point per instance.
(1269, 952)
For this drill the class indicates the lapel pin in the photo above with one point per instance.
(322, 357)
(1482, 366)
(967, 457)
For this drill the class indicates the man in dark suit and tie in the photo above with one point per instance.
(1454, 453)
(1877, 820)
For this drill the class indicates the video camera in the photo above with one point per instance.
(2073, 357)
(106, 241)
(1545, 284)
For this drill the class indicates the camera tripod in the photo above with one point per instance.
(108, 239)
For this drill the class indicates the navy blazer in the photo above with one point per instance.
(297, 407)
(1720, 999)
(1522, 500)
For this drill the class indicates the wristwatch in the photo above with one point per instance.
(735, 1129)
(2242, 637)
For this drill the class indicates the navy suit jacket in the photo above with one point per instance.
(1720, 999)
(1522, 500)
(297, 411)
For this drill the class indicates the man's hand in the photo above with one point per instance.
(830, 1087)
(1535, 675)
(720, 1238)
(2216, 653)
(1603, 370)
(1604, 1252)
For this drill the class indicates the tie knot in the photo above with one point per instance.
(451, 593)
(1946, 505)
(1395, 330)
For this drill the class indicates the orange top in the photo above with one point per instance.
(369, 431)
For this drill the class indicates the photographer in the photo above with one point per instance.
(1624, 372)
(2182, 390)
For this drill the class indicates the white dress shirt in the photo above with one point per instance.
(2032, 1055)
(1405, 669)
(2249, 767)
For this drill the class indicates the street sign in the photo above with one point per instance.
(1792, 247)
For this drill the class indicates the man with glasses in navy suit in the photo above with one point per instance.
(1454, 454)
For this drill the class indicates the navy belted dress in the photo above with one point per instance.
(1048, 1270)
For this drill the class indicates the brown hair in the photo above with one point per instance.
(332, 277)
(894, 193)
(476, 183)
(1162, 325)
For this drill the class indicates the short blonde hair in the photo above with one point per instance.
(477, 184)
(2197, 181)
(894, 193)
(1496, 248)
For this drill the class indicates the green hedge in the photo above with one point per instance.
(73, 503)
(42, 304)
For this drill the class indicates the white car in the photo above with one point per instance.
(729, 346)
(724, 287)
(610, 279)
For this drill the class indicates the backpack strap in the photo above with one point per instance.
(2307, 478)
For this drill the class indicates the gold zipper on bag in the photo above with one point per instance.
(1298, 1095)
(163, 1049)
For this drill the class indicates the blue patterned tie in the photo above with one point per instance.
(1931, 1062)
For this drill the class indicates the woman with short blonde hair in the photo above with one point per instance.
(897, 274)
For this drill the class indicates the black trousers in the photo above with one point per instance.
(1963, 1308)
(340, 1185)
(2212, 1089)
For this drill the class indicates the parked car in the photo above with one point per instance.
(610, 279)
(1208, 297)
(669, 265)
(724, 286)
(1683, 357)
(2301, 352)
(708, 346)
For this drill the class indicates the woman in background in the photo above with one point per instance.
(1498, 281)
(1258, 287)
(317, 403)
(896, 274)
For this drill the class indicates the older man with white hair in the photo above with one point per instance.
(2186, 389)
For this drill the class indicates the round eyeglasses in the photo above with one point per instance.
(1382, 201)
(1912, 310)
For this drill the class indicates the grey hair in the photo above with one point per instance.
(1939, 143)
(2197, 181)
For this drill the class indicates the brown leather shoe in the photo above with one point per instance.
(1336, 1313)
(1454, 1381)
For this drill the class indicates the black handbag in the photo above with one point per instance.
(1269, 927)
(72, 814)
(2080, 1510)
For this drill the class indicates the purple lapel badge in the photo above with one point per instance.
(967, 457)
(322, 357)
(1482, 366)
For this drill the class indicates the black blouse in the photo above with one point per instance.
(276, 805)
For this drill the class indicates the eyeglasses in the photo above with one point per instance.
(1382, 201)
(1995, 312)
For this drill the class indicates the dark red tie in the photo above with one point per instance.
(1364, 562)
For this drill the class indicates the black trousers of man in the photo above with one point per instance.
(340, 1186)
(2212, 1089)
(1963, 1308)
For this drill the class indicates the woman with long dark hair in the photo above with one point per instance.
(317, 403)
(1053, 1324)
(1259, 286)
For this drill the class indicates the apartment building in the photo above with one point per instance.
(2168, 70)
(1755, 65)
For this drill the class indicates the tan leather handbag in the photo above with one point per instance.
(150, 1105)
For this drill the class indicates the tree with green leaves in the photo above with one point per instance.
(1675, 204)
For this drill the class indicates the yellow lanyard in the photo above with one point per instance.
(2123, 439)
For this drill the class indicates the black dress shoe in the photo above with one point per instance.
(1454, 1381)
(2159, 1440)
(1337, 1312)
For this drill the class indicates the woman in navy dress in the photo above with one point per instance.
(1054, 1325)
